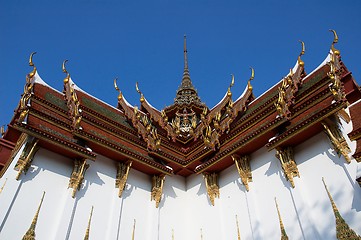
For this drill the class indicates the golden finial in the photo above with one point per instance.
(172, 234)
(133, 232)
(229, 93)
(238, 232)
(63, 66)
(141, 94)
(283, 231)
(185, 52)
(116, 88)
(343, 230)
(2, 188)
(335, 40)
(300, 62)
(86, 237)
(66, 79)
(31, 64)
(250, 79)
(30, 234)
(232, 82)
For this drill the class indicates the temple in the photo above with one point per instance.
(276, 166)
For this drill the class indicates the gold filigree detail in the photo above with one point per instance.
(283, 231)
(133, 231)
(344, 115)
(333, 131)
(238, 231)
(157, 188)
(27, 156)
(336, 86)
(211, 138)
(122, 176)
(211, 180)
(87, 232)
(343, 230)
(28, 89)
(30, 234)
(19, 143)
(286, 96)
(140, 120)
(77, 176)
(2, 188)
(244, 168)
(289, 166)
(72, 100)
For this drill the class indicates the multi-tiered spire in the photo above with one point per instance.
(186, 93)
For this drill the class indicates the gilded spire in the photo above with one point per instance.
(343, 230)
(2, 188)
(186, 93)
(30, 234)
(238, 232)
(185, 53)
(283, 231)
(133, 232)
(86, 237)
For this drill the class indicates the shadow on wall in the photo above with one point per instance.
(168, 191)
(203, 191)
(50, 162)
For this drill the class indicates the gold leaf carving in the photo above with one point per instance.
(26, 157)
(333, 131)
(343, 230)
(289, 166)
(283, 231)
(244, 169)
(87, 232)
(30, 234)
(122, 176)
(77, 176)
(211, 180)
(157, 188)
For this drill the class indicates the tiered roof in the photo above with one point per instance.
(186, 137)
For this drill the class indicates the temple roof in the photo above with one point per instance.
(187, 137)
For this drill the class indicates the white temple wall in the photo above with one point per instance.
(185, 206)
(50, 173)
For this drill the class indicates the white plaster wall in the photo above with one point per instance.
(49, 173)
(185, 207)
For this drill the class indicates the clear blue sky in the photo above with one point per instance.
(142, 40)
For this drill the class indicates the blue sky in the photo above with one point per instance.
(143, 41)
